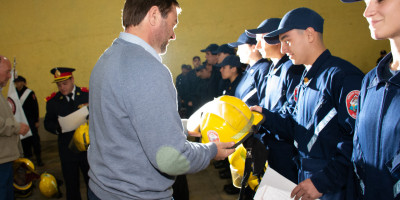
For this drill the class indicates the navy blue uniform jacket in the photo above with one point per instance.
(376, 152)
(322, 125)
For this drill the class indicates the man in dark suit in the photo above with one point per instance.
(66, 101)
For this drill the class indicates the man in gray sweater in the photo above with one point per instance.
(138, 144)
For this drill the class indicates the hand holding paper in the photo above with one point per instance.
(73, 120)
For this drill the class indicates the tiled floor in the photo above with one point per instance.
(205, 185)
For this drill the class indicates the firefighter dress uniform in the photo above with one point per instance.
(58, 106)
(376, 151)
(322, 125)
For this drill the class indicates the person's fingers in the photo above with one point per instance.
(256, 108)
(194, 133)
(295, 191)
(226, 145)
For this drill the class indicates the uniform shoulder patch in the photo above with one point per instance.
(296, 93)
(352, 103)
(51, 96)
(84, 89)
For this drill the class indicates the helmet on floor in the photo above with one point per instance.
(227, 119)
(237, 164)
(24, 174)
(48, 185)
(81, 137)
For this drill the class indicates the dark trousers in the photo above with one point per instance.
(6, 181)
(181, 189)
(28, 143)
(70, 170)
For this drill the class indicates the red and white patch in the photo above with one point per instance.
(296, 93)
(12, 105)
(352, 103)
(212, 136)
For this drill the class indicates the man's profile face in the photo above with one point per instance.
(5, 72)
(211, 58)
(244, 52)
(294, 45)
(166, 31)
(66, 87)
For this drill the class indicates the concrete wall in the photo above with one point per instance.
(47, 33)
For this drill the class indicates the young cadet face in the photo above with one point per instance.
(244, 52)
(227, 72)
(267, 50)
(294, 45)
(196, 62)
(383, 18)
(211, 58)
(166, 31)
(66, 87)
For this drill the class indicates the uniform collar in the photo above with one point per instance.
(382, 66)
(73, 94)
(275, 69)
(316, 66)
(137, 40)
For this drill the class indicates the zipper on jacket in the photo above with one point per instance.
(381, 120)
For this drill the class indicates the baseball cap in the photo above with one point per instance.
(299, 18)
(266, 26)
(225, 48)
(20, 78)
(232, 60)
(243, 39)
(211, 48)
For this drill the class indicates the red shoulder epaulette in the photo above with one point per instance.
(51, 96)
(84, 89)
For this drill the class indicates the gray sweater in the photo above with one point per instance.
(137, 140)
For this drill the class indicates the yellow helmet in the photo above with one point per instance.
(24, 174)
(48, 185)
(227, 119)
(237, 160)
(81, 137)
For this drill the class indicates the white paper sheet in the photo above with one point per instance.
(274, 186)
(73, 120)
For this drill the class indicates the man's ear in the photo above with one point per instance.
(154, 15)
(311, 34)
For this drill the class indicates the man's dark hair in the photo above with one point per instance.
(135, 10)
(196, 57)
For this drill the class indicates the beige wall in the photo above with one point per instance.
(47, 33)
